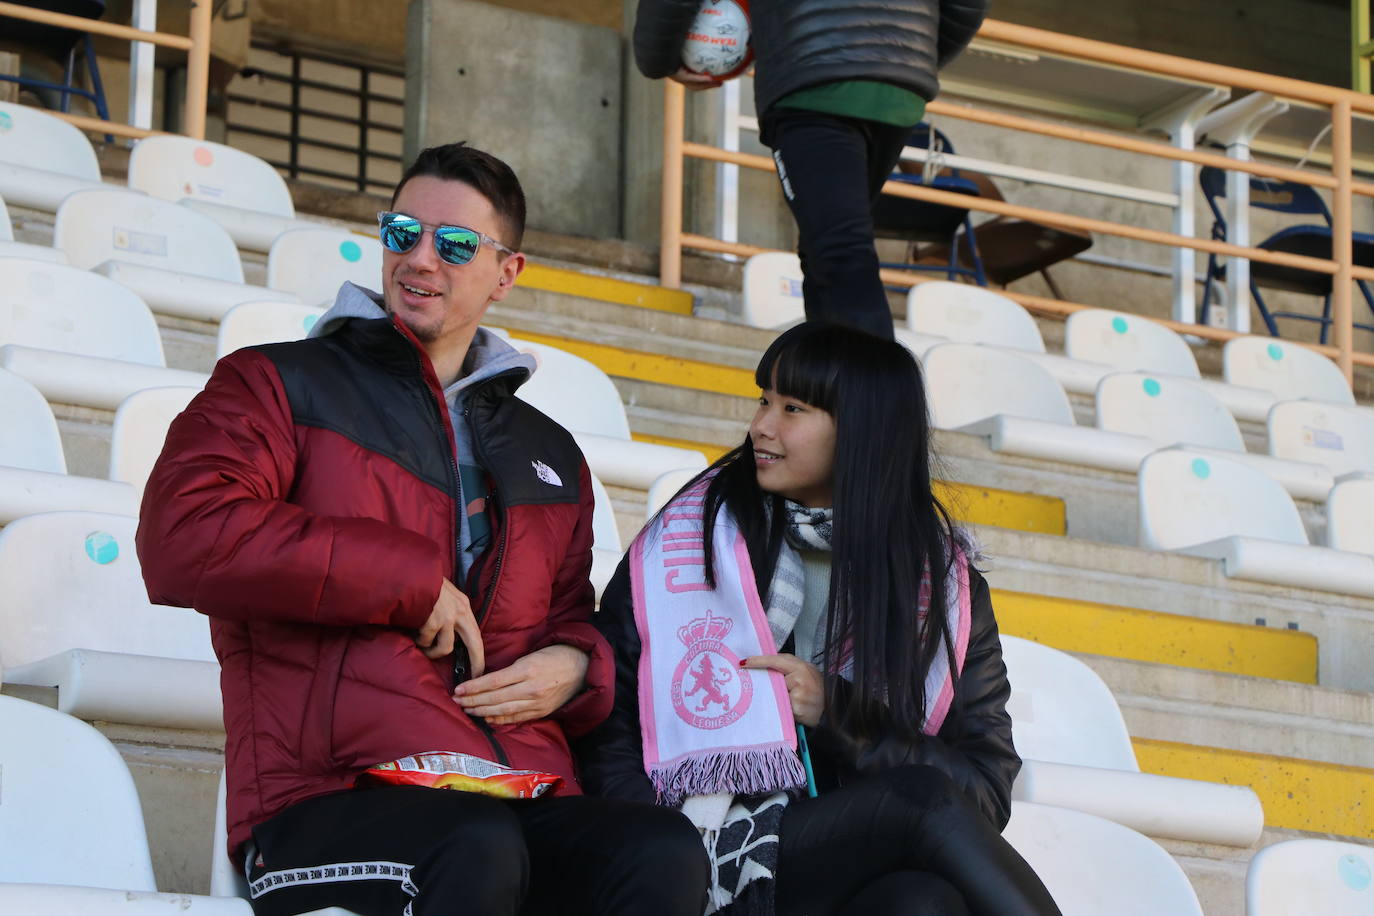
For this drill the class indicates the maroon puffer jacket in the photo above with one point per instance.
(305, 502)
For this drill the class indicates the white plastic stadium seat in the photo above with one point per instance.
(76, 616)
(1133, 343)
(1214, 507)
(179, 261)
(1307, 876)
(33, 469)
(585, 401)
(1287, 371)
(1349, 509)
(79, 338)
(42, 158)
(9, 248)
(962, 313)
(605, 538)
(314, 263)
(1077, 754)
(664, 488)
(56, 900)
(1092, 866)
(1341, 438)
(225, 880)
(250, 324)
(140, 429)
(238, 190)
(967, 383)
(773, 290)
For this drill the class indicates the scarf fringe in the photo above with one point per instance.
(738, 771)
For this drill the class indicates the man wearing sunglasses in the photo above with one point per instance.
(394, 553)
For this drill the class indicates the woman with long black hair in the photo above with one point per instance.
(808, 663)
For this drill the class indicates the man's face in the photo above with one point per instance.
(442, 303)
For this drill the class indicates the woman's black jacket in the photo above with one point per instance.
(801, 43)
(974, 746)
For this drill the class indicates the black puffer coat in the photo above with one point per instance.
(803, 43)
(973, 747)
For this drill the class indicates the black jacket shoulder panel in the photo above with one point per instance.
(533, 459)
(364, 383)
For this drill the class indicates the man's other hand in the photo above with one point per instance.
(450, 621)
(531, 688)
(695, 81)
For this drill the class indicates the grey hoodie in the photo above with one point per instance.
(487, 357)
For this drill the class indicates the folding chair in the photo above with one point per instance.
(1307, 239)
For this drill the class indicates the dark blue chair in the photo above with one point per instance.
(61, 45)
(919, 221)
(1312, 240)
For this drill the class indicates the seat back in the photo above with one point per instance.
(249, 324)
(1128, 342)
(971, 314)
(966, 383)
(1061, 711)
(6, 227)
(55, 307)
(71, 814)
(31, 440)
(773, 290)
(36, 140)
(1267, 193)
(1288, 371)
(664, 488)
(573, 391)
(72, 581)
(114, 225)
(605, 532)
(1093, 866)
(1342, 438)
(140, 430)
(1348, 511)
(313, 263)
(1188, 499)
(173, 168)
(1167, 410)
(1306, 876)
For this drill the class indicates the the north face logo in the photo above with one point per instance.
(546, 473)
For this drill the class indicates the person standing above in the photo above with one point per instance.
(838, 86)
(393, 552)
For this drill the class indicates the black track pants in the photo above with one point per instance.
(906, 841)
(831, 169)
(434, 852)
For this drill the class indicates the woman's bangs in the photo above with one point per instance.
(800, 366)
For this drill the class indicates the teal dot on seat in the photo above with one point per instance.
(1275, 352)
(309, 322)
(6, 122)
(102, 547)
(1151, 387)
(1354, 872)
(351, 251)
(1201, 469)
(1119, 325)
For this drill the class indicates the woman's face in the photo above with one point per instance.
(794, 449)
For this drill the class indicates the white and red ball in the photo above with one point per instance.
(718, 40)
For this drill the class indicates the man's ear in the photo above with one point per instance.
(510, 271)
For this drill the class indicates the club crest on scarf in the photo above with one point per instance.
(708, 690)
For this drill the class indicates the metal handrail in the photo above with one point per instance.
(196, 45)
(1340, 182)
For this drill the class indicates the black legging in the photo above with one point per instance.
(446, 852)
(906, 841)
(831, 169)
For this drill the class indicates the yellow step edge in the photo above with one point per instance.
(606, 289)
(969, 504)
(1154, 636)
(653, 367)
(1296, 794)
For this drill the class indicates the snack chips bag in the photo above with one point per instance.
(463, 772)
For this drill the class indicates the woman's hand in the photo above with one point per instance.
(805, 686)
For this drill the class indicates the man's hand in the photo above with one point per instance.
(805, 686)
(695, 81)
(450, 621)
(531, 688)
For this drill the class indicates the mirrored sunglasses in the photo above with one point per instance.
(454, 244)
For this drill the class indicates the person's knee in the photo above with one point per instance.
(909, 893)
(663, 859)
(482, 862)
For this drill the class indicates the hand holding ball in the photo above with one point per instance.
(718, 40)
